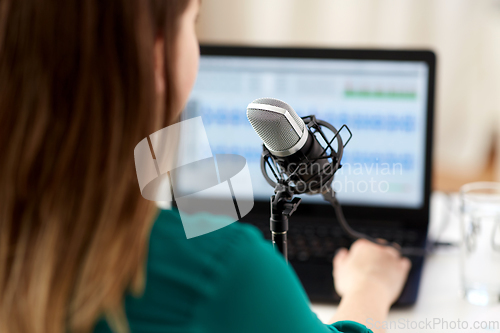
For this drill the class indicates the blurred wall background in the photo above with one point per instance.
(465, 34)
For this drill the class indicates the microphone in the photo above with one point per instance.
(278, 125)
(302, 160)
(293, 145)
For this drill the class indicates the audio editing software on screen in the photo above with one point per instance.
(382, 102)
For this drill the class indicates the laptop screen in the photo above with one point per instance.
(383, 102)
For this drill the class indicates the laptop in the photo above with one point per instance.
(385, 97)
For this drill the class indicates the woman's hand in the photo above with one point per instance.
(369, 278)
(368, 265)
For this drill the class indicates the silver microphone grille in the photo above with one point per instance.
(278, 126)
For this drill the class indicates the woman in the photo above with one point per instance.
(81, 83)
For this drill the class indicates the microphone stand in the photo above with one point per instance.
(283, 204)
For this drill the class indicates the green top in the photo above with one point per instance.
(227, 281)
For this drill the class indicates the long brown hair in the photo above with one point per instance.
(76, 95)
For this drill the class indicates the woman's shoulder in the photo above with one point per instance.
(215, 232)
(173, 256)
(181, 273)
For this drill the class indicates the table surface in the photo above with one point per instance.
(440, 305)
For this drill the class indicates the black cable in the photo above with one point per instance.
(405, 251)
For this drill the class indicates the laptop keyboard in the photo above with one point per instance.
(318, 243)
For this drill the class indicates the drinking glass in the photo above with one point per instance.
(480, 245)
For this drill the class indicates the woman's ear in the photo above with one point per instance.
(159, 59)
